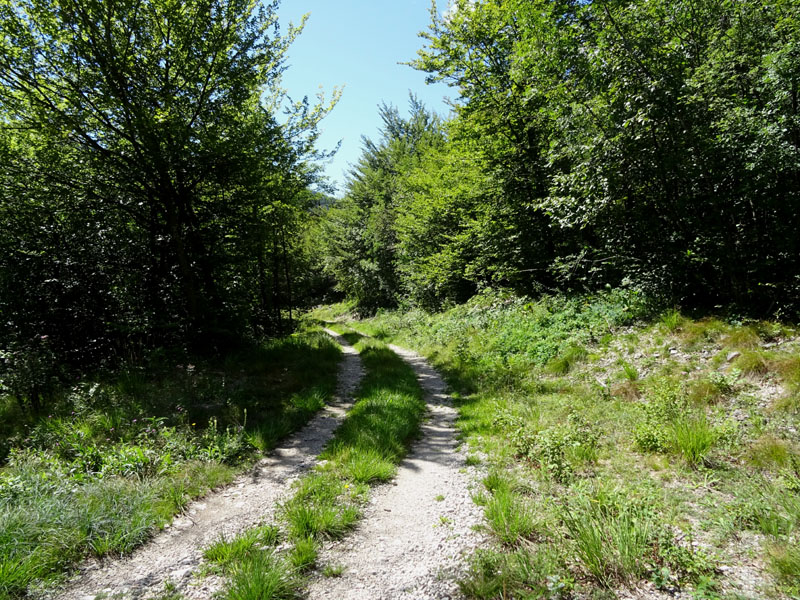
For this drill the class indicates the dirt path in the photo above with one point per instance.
(177, 551)
(416, 532)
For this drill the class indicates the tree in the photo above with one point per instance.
(361, 235)
(138, 136)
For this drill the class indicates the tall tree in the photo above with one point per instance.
(142, 131)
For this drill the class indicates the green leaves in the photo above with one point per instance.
(142, 152)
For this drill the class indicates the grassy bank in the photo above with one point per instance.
(326, 504)
(117, 457)
(626, 450)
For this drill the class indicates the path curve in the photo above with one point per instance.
(177, 551)
(418, 530)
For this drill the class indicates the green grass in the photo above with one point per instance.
(226, 553)
(694, 438)
(120, 456)
(509, 515)
(366, 448)
(612, 536)
(616, 437)
(262, 576)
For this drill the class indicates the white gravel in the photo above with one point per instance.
(418, 530)
(177, 551)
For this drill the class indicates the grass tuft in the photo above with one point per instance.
(509, 515)
(262, 576)
(226, 553)
(784, 562)
(611, 536)
(693, 438)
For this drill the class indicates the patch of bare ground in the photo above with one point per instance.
(175, 553)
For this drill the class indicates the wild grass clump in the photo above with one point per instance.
(509, 514)
(771, 452)
(611, 536)
(753, 362)
(670, 425)
(619, 538)
(672, 320)
(226, 553)
(262, 576)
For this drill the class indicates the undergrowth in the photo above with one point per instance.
(118, 457)
(624, 445)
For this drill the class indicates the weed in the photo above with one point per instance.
(333, 570)
(303, 554)
(784, 562)
(262, 576)
(439, 498)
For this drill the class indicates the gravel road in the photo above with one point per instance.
(177, 551)
(418, 529)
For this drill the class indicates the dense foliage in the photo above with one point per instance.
(650, 144)
(148, 193)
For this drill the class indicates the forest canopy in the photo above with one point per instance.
(150, 191)
(651, 145)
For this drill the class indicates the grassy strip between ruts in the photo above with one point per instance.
(118, 457)
(366, 449)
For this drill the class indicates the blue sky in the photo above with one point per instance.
(357, 44)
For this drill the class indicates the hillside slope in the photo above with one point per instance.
(630, 455)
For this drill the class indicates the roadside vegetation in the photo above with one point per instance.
(120, 454)
(327, 503)
(626, 448)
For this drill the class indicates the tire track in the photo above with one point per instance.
(417, 531)
(174, 554)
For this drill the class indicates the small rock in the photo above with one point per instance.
(732, 355)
